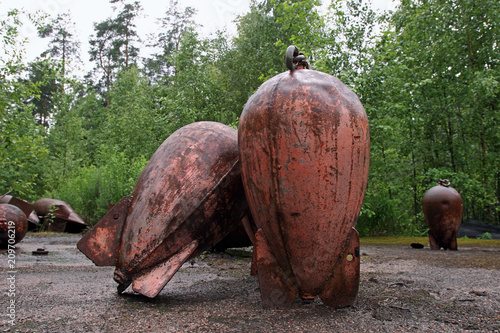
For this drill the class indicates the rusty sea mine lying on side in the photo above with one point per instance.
(188, 197)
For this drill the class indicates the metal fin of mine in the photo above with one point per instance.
(151, 283)
(341, 290)
(277, 287)
(101, 243)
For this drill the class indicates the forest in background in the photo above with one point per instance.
(427, 74)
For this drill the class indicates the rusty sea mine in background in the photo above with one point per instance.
(304, 150)
(13, 225)
(59, 216)
(188, 197)
(443, 209)
(26, 207)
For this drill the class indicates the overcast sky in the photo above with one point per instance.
(211, 14)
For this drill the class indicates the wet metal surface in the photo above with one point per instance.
(188, 197)
(442, 206)
(13, 225)
(304, 149)
(25, 206)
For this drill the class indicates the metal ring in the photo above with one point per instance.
(291, 52)
(444, 182)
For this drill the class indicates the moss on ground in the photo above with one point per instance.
(406, 240)
(47, 234)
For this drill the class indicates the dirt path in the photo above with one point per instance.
(401, 290)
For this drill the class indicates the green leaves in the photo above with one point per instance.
(113, 46)
(21, 139)
(438, 87)
(131, 118)
(91, 189)
(428, 76)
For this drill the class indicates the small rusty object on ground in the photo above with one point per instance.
(59, 216)
(304, 148)
(40, 251)
(188, 197)
(442, 206)
(13, 225)
(26, 207)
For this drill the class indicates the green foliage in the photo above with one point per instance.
(44, 75)
(132, 123)
(159, 67)
(21, 152)
(432, 99)
(382, 215)
(113, 46)
(199, 90)
(21, 139)
(91, 190)
(63, 44)
(345, 50)
(66, 141)
(48, 219)
(427, 74)
(486, 235)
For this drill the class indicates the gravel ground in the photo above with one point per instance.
(401, 290)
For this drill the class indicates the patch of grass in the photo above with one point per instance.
(478, 242)
(405, 240)
(394, 240)
(47, 233)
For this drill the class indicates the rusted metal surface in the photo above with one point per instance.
(304, 150)
(442, 206)
(59, 216)
(13, 225)
(26, 207)
(188, 197)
